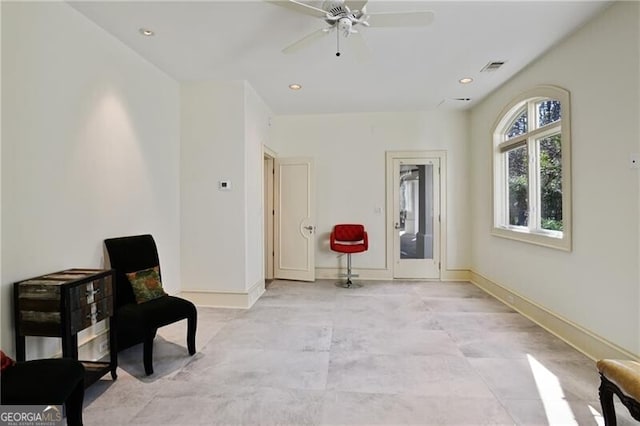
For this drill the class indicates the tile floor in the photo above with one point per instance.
(422, 353)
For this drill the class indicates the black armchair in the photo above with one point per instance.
(139, 322)
(57, 381)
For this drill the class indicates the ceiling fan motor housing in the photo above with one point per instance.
(334, 7)
(344, 16)
(339, 15)
(345, 26)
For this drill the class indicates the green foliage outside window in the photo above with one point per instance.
(551, 183)
(518, 187)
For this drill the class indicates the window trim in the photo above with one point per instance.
(500, 146)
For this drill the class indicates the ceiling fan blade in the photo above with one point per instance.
(355, 4)
(300, 7)
(400, 19)
(306, 40)
(360, 48)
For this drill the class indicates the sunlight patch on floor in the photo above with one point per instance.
(556, 407)
(596, 416)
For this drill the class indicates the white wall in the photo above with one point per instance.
(349, 153)
(597, 284)
(90, 146)
(223, 127)
(257, 117)
(213, 221)
(638, 180)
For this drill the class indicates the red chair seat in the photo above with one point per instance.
(349, 248)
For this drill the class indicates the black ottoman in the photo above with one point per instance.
(57, 381)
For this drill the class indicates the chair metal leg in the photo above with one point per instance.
(348, 275)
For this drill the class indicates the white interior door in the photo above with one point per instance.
(416, 218)
(294, 219)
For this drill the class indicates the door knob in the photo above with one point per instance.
(397, 226)
(310, 228)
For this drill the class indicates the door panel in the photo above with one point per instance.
(416, 201)
(294, 219)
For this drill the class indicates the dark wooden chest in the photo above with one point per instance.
(61, 304)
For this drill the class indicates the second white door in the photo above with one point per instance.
(416, 218)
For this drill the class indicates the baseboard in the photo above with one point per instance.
(94, 345)
(371, 274)
(225, 299)
(585, 341)
(455, 275)
(255, 292)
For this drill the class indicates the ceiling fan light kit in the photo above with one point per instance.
(344, 15)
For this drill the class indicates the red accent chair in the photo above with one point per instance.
(349, 238)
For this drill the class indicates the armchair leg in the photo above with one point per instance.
(606, 400)
(73, 405)
(147, 354)
(192, 322)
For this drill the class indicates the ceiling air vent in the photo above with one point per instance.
(455, 103)
(492, 66)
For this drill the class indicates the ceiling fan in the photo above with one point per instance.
(344, 16)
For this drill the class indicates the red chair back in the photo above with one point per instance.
(349, 238)
(348, 232)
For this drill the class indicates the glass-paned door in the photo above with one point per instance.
(416, 218)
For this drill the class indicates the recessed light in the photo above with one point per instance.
(465, 80)
(146, 32)
(295, 86)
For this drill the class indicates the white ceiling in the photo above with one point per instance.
(410, 68)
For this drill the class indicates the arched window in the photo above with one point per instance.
(532, 169)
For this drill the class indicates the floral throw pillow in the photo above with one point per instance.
(5, 361)
(146, 284)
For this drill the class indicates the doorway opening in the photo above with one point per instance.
(269, 214)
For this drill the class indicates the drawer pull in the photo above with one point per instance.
(92, 292)
(94, 315)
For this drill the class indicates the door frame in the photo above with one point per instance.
(268, 208)
(390, 220)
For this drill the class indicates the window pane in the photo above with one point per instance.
(416, 211)
(518, 186)
(551, 183)
(548, 112)
(519, 126)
